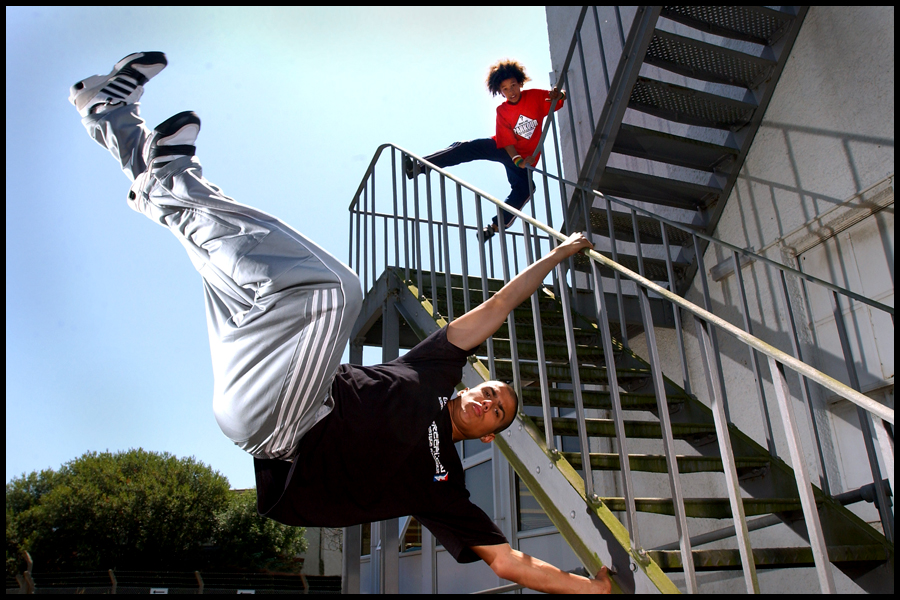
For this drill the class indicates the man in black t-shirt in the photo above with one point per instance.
(332, 444)
(386, 450)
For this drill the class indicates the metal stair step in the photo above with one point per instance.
(755, 24)
(475, 298)
(769, 558)
(527, 349)
(689, 106)
(456, 281)
(657, 190)
(654, 268)
(550, 334)
(561, 374)
(633, 429)
(651, 463)
(672, 149)
(707, 508)
(531, 396)
(708, 62)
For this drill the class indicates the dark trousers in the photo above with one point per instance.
(486, 149)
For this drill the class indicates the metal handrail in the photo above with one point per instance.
(732, 247)
(822, 379)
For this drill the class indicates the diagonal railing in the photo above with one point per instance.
(429, 236)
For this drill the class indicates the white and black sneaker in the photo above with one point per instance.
(173, 138)
(123, 85)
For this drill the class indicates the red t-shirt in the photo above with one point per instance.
(520, 124)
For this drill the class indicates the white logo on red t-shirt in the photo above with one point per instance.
(525, 127)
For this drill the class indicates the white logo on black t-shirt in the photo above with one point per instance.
(434, 443)
(525, 127)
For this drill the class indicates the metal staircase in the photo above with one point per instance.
(597, 402)
(689, 88)
(654, 171)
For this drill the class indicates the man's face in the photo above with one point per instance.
(478, 412)
(511, 90)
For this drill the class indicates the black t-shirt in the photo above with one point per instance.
(385, 450)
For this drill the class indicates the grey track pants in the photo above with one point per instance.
(279, 308)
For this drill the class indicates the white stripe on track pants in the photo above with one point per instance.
(279, 308)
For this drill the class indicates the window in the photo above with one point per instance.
(480, 483)
(530, 514)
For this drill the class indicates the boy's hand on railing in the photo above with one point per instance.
(530, 161)
(573, 245)
(556, 93)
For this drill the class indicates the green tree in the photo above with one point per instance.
(136, 510)
(247, 541)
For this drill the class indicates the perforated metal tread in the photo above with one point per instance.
(689, 106)
(630, 185)
(709, 62)
(672, 149)
(648, 228)
(749, 23)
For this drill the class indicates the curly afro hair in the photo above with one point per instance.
(503, 70)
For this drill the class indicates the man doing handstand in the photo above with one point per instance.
(333, 445)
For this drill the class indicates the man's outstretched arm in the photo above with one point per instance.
(480, 323)
(537, 575)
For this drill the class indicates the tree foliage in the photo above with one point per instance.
(245, 538)
(139, 510)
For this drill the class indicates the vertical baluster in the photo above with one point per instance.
(565, 79)
(754, 358)
(724, 440)
(707, 304)
(417, 229)
(798, 460)
(562, 195)
(511, 318)
(374, 236)
(577, 392)
(350, 238)
(670, 270)
(662, 407)
(484, 285)
(365, 262)
(865, 423)
(396, 223)
(541, 354)
(432, 264)
(406, 248)
(446, 238)
(620, 297)
(602, 49)
(804, 387)
(619, 23)
(587, 89)
(464, 256)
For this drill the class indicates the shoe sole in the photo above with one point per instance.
(175, 123)
(146, 64)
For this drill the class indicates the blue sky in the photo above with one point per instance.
(106, 343)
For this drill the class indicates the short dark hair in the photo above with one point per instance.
(515, 407)
(503, 70)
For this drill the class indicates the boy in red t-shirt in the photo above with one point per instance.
(519, 123)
